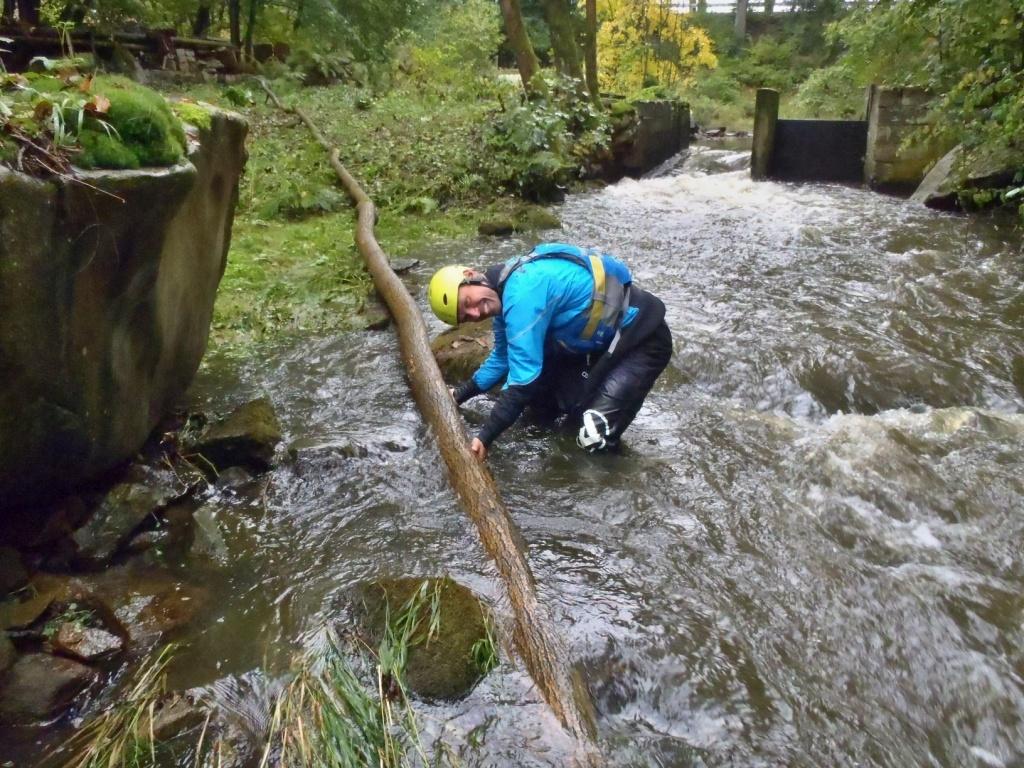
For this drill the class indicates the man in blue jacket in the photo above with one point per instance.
(572, 335)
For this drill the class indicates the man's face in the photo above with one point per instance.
(477, 302)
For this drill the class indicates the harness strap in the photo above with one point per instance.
(599, 298)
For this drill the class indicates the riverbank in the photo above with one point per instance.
(293, 265)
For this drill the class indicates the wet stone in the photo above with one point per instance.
(246, 438)
(460, 351)
(123, 509)
(34, 600)
(443, 668)
(87, 644)
(39, 686)
(232, 477)
(176, 714)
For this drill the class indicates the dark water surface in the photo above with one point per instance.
(810, 552)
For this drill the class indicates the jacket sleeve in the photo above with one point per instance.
(506, 410)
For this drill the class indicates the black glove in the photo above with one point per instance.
(465, 391)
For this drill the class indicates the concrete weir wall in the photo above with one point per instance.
(106, 296)
(895, 161)
(662, 129)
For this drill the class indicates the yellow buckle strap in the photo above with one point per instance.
(597, 305)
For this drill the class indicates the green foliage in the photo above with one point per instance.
(538, 146)
(832, 92)
(971, 54)
(454, 45)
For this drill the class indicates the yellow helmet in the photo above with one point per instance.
(443, 293)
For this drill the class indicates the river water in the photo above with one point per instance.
(809, 552)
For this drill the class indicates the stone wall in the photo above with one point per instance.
(106, 296)
(893, 115)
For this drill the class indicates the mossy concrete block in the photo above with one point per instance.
(441, 667)
(106, 296)
(460, 351)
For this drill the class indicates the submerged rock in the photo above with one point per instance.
(441, 666)
(39, 686)
(460, 351)
(247, 437)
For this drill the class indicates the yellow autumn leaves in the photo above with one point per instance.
(642, 43)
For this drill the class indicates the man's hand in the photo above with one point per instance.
(478, 448)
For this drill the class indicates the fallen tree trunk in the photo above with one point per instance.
(561, 686)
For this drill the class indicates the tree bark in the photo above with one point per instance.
(473, 484)
(250, 27)
(235, 21)
(740, 28)
(590, 52)
(203, 17)
(558, 15)
(28, 11)
(515, 30)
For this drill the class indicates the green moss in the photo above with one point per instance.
(102, 150)
(145, 132)
(194, 114)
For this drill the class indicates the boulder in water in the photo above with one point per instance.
(960, 172)
(246, 438)
(39, 685)
(460, 351)
(440, 665)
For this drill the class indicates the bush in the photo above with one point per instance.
(538, 146)
(832, 92)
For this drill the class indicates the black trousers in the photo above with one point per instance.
(625, 381)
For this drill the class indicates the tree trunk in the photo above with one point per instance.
(235, 21)
(28, 11)
(558, 15)
(9, 6)
(740, 28)
(702, 6)
(590, 52)
(515, 30)
(250, 27)
(769, 7)
(203, 18)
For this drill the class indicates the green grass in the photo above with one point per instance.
(293, 266)
(122, 736)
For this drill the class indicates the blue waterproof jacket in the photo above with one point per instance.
(548, 303)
